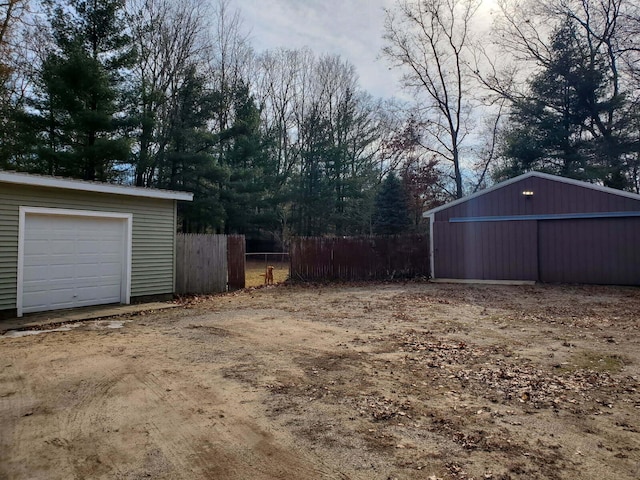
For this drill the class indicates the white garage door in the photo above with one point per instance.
(72, 261)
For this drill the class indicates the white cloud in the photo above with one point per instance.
(353, 29)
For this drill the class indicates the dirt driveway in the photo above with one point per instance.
(384, 381)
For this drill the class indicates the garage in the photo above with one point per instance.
(73, 259)
(538, 228)
(70, 243)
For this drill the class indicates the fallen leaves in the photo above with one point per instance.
(384, 408)
(503, 377)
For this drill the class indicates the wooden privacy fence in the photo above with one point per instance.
(359, 258)
(208, 263)
(236, 261)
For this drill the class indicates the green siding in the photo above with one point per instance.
(153, 234)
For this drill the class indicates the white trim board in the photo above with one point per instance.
(96, 187)
(125, 294)
(432, 250)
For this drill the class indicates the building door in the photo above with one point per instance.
(72, 261)
(598, 251)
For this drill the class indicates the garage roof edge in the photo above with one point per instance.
(546, 176)
(86, 186)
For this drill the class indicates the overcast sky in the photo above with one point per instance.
(351, 28)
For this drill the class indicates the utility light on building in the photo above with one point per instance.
(527, 193)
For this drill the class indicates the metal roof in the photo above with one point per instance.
(546, 176)
(87, 186)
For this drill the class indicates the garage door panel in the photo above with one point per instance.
(84, 294)
(598, 251)
(103, 246)
(36, 272)
(72, 261)
(98, 293)
(62, 248)
(41, 288)
(45, 261)
(486, 250)
(32, 237)
(108, 259)
(109, 278)
(86, 259)
(38, 258)
(39, 301)
(57, 305)
(88, 269)
(63, 260)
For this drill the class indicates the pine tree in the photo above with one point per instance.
(188, 161)
(391, 214)
(570, 124)
(247, 198)
(312, 190)
(80, 83)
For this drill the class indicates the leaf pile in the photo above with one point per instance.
(505, 378)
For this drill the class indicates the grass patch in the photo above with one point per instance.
(596, 361)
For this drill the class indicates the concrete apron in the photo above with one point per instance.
(57, 317)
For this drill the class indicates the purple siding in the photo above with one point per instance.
(486, 250)
(550, 197)
(602, 251)
(585, 250)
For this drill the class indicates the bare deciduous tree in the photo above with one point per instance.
(169, 39)
(9, 11)
(280, 86)
(12, 13)
(230, 58)
(430, 42)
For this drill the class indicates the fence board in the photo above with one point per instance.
(236, 261)
(359, 258)
(201, 263)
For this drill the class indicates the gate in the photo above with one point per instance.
(209, 263)
(236, 262)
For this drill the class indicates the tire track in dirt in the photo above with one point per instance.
(69, 422)
(202, 441)
(33, 441)
(85, 429)
(125, 411)
(16, 402)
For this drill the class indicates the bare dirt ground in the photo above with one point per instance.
(382, 381)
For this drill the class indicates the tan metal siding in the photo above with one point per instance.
(153, 234)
